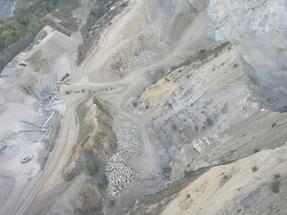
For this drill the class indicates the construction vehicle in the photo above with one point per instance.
(65, 79)
(26, 159)
(65, 82)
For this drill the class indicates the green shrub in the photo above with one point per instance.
(188, 174)
(91, 166)
(235, 65)
(96, 13)
(275, 185)
(254, 169)
(276, 176)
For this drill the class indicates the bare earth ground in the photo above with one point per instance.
(177, 104)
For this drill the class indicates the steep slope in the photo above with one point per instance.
(254, 185)
(259, 29)
(177, 109)
(191, 86)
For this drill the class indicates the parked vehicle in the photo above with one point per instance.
(26, 159)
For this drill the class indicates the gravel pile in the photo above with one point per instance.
(118, 171)
(144, 58)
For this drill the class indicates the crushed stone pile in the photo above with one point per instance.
(118, 171)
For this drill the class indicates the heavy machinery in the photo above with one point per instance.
(26, 159)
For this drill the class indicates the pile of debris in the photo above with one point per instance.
(145, 58)
(119, 174)
(118, 171)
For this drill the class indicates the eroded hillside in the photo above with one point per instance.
(175, 107)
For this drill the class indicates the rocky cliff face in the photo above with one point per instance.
(223, 103)
(259, 28)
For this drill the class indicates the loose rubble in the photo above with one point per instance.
(118, 171)
(145, 57)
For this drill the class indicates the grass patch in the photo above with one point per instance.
(235, 65)
(92, 167)
(184, 63)
(202, 55)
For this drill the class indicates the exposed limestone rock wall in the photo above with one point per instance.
(259, 27)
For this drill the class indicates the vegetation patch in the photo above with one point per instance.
(254, 169)
(202, 55)
(17, 32)
(97, 140)
(64, 8)
(91, 166)
(275, 184)
(100, 17)
(224, 179)
(215, 51)
(100, 8)
(276, 176)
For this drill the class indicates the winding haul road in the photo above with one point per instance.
(69, 133)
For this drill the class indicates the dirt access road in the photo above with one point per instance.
(69, 134)
(119, 91)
